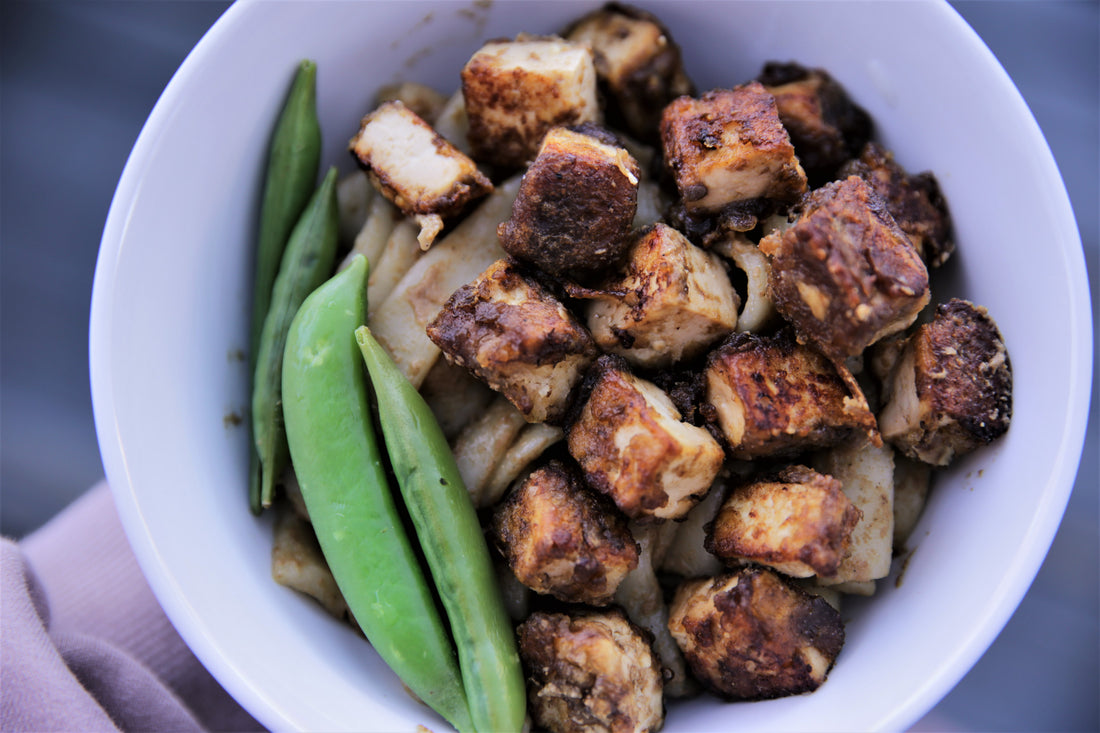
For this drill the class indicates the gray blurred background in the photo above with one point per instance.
(79, 77)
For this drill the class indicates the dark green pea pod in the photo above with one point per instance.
(294, 154)
(339, 466)
(307, 262)
(453, 544)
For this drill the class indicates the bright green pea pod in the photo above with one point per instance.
(294, 153)
(308, 260)
(339, 466)
(293, 157)
(453, 544)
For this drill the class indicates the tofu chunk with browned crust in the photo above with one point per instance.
(517, 90)
(751, 635)
(770, 395)
(797, 521)
(844, 274)
(632, 445)
(638, 64)
(728, 146)
(514, 335)
(416, 169)
(576, 205)
(826, 126)
(669, 305)
(915, 201)
(590, 671)
(951, 389)
(562, 539)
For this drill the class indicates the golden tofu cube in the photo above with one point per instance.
(728, 146)
(638, 64)
(915, 201)
(632, 445)
(797, 521)
(672, 302)
(515, 91)
(770, 395)
(562, 539)
(844, 275)
(515, 336)
(951, 389)
(590, 671)
(415, 168)
(825, 125)
(576, 204)
(751, 635)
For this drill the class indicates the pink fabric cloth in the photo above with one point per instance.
(84, 646)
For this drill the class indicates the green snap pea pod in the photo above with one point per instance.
(452, 542)
(307, 262)
(339, 466)
(294, 154)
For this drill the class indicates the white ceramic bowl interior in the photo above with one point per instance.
(171, 302)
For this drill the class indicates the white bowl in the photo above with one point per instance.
(171, 303)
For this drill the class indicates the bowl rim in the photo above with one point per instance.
(1033, 547)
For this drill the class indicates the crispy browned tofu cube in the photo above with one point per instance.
(825, 125)
(575, 206)
(632, 445)
(515, 336)
(951, 390)
(770, 395)
(590, 671)
(638, 65)
(515, 91)
(915, 201)
(844, 275)
(415, 168)
(797, 521)
(672, 302)
(751, 635)
(562, 539)
(728, 146)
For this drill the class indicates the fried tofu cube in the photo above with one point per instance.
(415, 168)
(515, 336)
(576, 205)
(515, 91)
(638, 64)
(751, 635)
(915, 201)
(562, 539)
(843, 274)
(672, 302)
(591, 671)
(632, 445)
(728, 146)
(825, 125)
(951, 390)
(797, 521)
(770, 395)
(866, 475)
